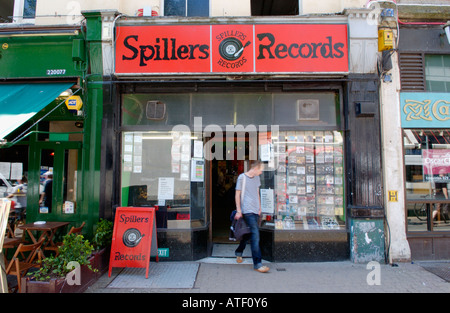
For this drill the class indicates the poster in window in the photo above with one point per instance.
(435, 161)
(165, 188)
(267, 202)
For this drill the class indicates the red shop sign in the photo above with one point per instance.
(134, 238)
(239, 48)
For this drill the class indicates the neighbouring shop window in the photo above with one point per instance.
(186, 7)
(437, 73)
(309, 184)
(427, 162)
(156, 171)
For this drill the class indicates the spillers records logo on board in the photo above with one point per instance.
(233, 45)
(231, 50)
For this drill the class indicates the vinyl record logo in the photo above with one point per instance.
(232, 46)
(132, 237)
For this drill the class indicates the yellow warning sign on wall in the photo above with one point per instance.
(393, 195)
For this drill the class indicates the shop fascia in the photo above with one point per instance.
(239, 48)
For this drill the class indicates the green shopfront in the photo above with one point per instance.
(191, 105)
(39, 69)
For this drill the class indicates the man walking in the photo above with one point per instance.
(248, 206)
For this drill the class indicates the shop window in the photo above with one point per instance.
(233, 109)
(427, 161)
(155, 109)
(302, 186)
(437, 73)
(309, 184)
(156, 171)
(258, 108)
(186, 7)
(306, 109)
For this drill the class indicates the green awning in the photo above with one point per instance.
(20, 102)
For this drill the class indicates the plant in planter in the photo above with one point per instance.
(54, 269)
(103, 234)
(102, 242)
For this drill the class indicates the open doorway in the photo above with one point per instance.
(224, 174)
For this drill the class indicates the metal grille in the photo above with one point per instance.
(412, 71)
(441, 269)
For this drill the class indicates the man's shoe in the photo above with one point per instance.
(262, 269)
(239, 259)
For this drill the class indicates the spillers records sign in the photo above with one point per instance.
(134, 238)
(243, 48)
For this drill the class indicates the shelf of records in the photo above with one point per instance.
(309, 186)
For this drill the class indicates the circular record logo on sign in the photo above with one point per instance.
(132, 237)
(232, 48)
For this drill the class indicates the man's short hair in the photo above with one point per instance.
(256, 163)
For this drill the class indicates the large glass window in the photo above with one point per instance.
(309, 182)
(294, 109)
(156, 171)
(302, 186)
(427, 161)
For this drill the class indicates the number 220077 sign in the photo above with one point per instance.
(134, 238)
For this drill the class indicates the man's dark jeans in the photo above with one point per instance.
(252, 221)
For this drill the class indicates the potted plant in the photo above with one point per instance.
(102, 245)
(52, 276)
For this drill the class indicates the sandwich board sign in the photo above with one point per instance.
(134, 238)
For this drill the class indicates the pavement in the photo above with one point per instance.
(225, 276)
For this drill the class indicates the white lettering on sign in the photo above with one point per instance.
(56, 72)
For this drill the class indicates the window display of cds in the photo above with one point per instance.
(309, 180)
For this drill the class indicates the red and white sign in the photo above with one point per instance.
(240, 48)
(134, 238)
(435, 160)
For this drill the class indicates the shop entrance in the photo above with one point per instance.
(223, 182)
(56, 162)
(63, 162)
(224, 174)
